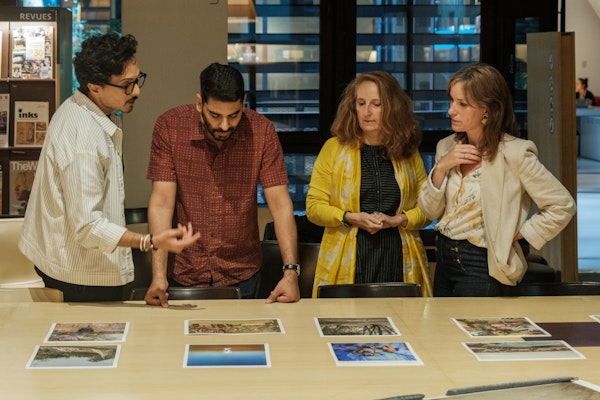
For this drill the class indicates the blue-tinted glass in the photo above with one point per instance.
(275, 44)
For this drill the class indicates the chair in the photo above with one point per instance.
(22, 294)
(271, 273)
(136, 215)
(393, 289)
(15, 269)
(193, 293)
(554, 289)
(137, 221)
(307, 231)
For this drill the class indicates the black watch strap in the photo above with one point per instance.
(295, 267)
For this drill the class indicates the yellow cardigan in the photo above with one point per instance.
(335, 188)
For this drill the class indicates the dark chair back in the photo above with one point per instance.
(137, 221)
(392, 289)
(193, 293)
(271, 273)
(554, 289)
(136, 215)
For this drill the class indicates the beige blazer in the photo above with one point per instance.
(509, 185)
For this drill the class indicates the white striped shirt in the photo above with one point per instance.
(75, 215)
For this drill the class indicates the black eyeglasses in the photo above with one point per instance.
(130, 86)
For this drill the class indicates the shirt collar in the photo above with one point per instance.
(111, 124)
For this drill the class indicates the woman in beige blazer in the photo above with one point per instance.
(482, 188)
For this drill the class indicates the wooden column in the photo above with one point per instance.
(551, 125)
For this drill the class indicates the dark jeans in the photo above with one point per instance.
(83, 293)
(248, 288)
(462, 270)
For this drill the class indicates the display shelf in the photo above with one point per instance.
(35, 76)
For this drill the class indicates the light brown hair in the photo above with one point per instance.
(485, 87)
(401, 134)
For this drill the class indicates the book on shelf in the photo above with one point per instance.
(4, 118)
(1, 194)
(32, 52)
(31, 122)
(21, 176)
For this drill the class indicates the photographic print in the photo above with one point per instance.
(232, 326)
(74, 357)
(88, 332)
(499, 327)
(227, 355)
(521, 351)
(595, 317)
(373, 354)
(379, 326)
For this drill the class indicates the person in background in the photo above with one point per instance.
(74, 228)
(582, 92)
(206, 162)
(482, 187)
(364, 189)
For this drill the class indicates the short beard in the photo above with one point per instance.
(212, 131)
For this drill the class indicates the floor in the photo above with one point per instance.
(588, 218)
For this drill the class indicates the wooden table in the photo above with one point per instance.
(151, 360)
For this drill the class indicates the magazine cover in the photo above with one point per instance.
(4, 113)
(31, 122)
(21, 177)
(32, 52)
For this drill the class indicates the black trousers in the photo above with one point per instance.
(83, 293)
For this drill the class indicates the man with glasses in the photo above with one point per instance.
(74, 229)
(206, 161)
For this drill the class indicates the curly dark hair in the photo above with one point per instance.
(102, 56)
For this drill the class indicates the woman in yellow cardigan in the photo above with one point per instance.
(364, 189)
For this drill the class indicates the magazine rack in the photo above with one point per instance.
(35, 77)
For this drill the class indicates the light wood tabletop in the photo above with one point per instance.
(150, 365)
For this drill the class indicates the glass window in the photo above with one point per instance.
(422, 42)
(275, 44)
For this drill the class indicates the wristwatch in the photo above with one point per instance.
(295, 267)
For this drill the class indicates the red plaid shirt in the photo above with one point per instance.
(216, 191)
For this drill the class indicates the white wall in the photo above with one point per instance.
(176, 40)
(582, 17)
